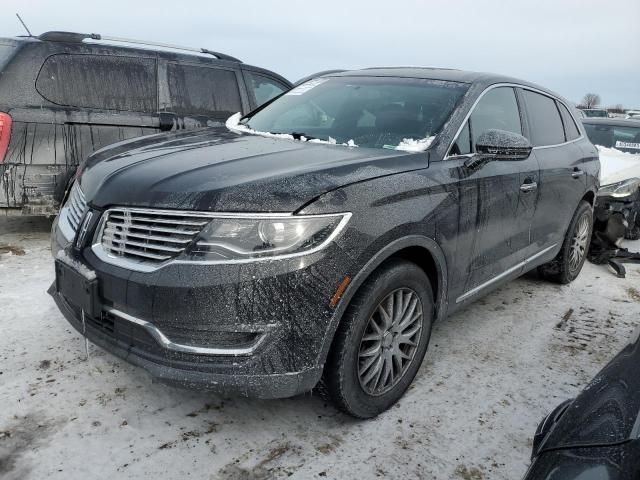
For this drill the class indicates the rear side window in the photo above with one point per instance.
(203, 91)
(497, 109)
(264, 88)
(544, 119)
(104, 82)
(570, 129)
(6, 52)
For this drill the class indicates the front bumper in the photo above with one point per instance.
(254, 330)
(133, 345)
(627, 207)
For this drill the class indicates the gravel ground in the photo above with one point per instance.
(491, 373)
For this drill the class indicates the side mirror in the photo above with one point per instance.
(500, 145)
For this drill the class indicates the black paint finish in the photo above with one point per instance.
(463, 225)
(597, 435)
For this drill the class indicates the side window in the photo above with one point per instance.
(462, 145)
(544, 119)
(264, 88)
(202, 91)
(570, 129)
(105, 82)
(497, 109)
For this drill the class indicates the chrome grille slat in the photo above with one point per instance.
(189, 233)
(130, 243)
(163, 220)
(109, 231)
(140, 253)
(148, 236)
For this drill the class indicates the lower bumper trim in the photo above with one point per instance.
(226, 380)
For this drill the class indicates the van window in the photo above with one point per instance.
(6, 52)
(105, 82)
(203, 91)
(497, 109)
(264, 88)
(544, 118)
(570, 129)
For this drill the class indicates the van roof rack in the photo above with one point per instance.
(79, 37)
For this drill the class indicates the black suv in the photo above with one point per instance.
(319, 237)
(63, 96)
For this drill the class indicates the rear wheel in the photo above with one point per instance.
(381, 341)
(567, 265)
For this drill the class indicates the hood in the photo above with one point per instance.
(218, 170)
(617, 166)
(607, 412)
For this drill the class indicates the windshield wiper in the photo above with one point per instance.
(298, 136)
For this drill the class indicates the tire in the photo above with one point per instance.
(351, 361)
(565, 268)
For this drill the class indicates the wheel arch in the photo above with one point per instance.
(590, 197)
(421, 250)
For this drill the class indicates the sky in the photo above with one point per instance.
(569, 46)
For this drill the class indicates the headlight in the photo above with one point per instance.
(620, 189)
(251, 237)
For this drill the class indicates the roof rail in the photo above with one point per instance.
(79, 37)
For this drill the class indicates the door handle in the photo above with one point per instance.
(528, 187)
(577, 173)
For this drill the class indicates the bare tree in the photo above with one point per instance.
(591, 100)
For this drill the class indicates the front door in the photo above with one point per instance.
(497, 201)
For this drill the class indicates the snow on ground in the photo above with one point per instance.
(491, 373)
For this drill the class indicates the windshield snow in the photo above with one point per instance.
(375, 112)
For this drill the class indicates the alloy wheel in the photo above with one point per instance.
(578, 247)
(390, 341)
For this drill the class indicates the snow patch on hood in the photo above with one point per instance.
(412, 145)
(617, 166)
(233, 124)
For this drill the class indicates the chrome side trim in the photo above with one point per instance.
(524, 87)
(504, 274)
(164, 342)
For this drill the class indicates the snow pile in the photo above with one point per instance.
(412, 145)
(233, 124)
(617, 165)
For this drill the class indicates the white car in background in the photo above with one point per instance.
(618, 141)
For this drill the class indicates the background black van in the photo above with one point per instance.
(64, 95)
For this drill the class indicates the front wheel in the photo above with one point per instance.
(381, 341)
(567, 265)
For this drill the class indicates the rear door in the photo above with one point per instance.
(495, 211)
(194, 95)
(562, 167)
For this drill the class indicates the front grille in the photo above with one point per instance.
(72, 212)
(149, 235)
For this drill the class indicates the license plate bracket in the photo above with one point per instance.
(77, 289)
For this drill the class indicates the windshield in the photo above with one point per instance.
(6, 52)
(377, 112)
(624, 138)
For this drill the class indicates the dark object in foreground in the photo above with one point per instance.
(320, 237)
(596, 436)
